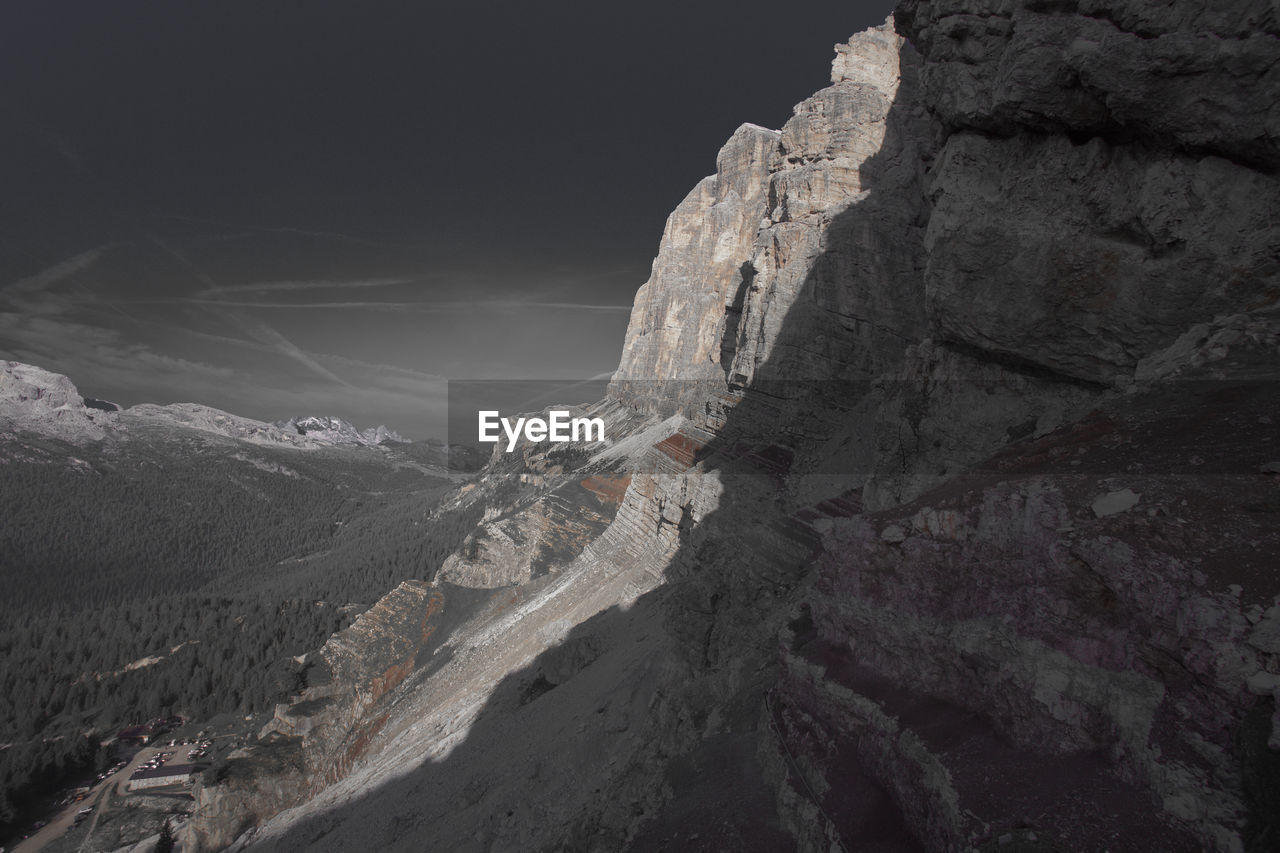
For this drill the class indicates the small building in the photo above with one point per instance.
(140, 735)
(158, 777)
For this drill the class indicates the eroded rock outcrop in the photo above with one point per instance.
(36, 400)
(551, 531)
(313, 739)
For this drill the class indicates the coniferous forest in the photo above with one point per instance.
(184, 579)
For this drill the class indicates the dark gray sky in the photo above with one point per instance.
(326, 207)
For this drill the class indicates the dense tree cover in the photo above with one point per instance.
(41, 765)
(67, 672)
(185, 582)
(114, 534)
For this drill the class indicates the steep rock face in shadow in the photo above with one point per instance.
(1063, 642)
(1107, 179)
(854, 593)
(1192, 76)
(1061, 648)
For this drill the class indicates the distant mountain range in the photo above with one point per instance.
(337, 431)
(35, 400)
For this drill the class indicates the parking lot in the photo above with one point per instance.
(113, 783)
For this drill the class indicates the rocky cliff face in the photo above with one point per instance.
(33, 399)
(939, 507)
(1083, 614)
(773, 240)
(314, 739)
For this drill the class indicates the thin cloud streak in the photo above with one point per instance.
(60, 344)
(264, 333)
(20, 293)
(102, 361)
(283, 229)
(398, 306)
(185, 262)
(318, 284)
(563, 389)
(371, 371)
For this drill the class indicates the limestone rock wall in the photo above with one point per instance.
(672, 351)
(840, 253)
(775, 237)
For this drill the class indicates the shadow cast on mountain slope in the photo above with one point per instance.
(648, 726)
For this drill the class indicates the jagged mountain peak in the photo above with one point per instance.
(335, 430)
